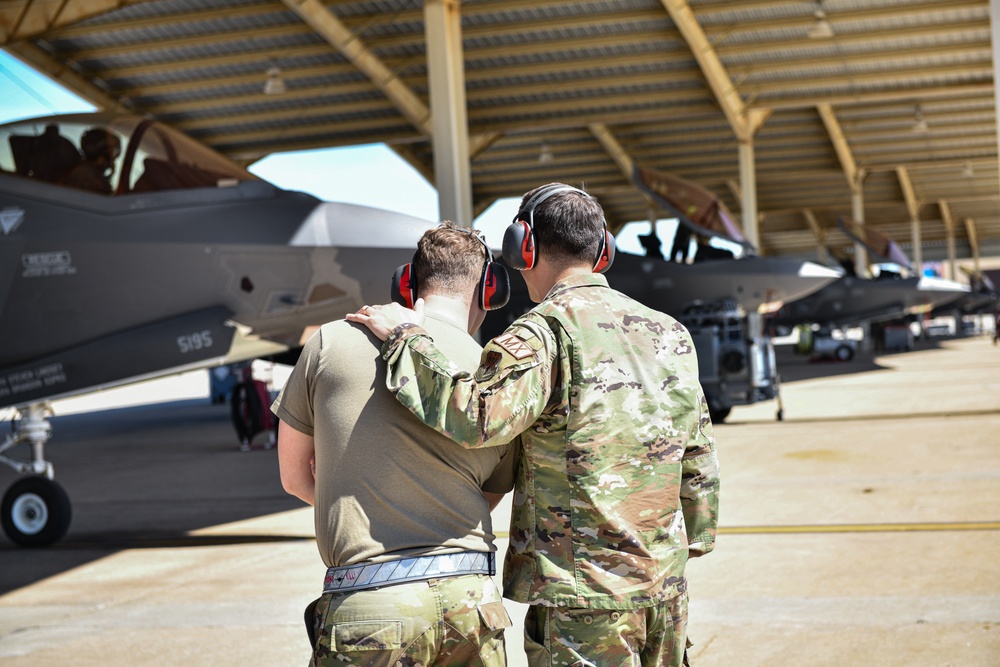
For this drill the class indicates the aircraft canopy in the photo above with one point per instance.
(113, 155)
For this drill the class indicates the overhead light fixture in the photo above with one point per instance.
(919, 122)
(545, 154)
(822, 28)
(275, 83)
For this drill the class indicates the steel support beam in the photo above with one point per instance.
(858, 215)
(913, 207)
(31, 18)
(617, 152)
(65, 76)
(315, 14)
(839, 141)
(745, 122)
(748, 188)
(822, 254)
(446, 76)
(995, 23)
(854, 176)
(625, 164)
(970, 230)
(949, 230)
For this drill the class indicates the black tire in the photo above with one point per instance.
(719, 415)
(844, 353)
(36, 512)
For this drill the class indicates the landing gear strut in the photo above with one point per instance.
(35, 510)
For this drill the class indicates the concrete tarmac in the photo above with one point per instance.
(864, 529)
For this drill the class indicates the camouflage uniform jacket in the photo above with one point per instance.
(618, 477)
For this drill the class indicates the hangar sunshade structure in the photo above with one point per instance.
(793, 112)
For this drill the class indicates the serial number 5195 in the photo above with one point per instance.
(193, 342)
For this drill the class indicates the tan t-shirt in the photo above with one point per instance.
(387, 486)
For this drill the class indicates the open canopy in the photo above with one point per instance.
(112, 154)
(697, 209)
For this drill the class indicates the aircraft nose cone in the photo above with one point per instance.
(936, 292)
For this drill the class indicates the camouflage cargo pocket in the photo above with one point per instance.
(494, 616)
(368, 636)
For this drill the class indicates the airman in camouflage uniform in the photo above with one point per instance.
(618, 481)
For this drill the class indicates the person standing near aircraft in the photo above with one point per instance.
(618, 481)
(402, 515)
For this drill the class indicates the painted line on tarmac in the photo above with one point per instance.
(860, 418)
(845, 528)
(141, 542)
(862, 528)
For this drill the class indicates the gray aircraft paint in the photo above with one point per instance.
(97, 290)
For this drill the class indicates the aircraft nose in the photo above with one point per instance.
(936, 292)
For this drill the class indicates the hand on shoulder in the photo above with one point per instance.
(381, 320)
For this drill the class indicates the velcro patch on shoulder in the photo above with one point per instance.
(516, 347)
(489, 367)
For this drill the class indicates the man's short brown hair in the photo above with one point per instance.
(449, 260)
(568, 225)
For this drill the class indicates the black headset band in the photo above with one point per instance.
(541, 196)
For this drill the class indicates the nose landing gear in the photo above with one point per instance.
(35, 511)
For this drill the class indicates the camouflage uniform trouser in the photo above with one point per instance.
(451, 622)
(647, 637)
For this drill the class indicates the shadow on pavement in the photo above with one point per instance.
(793, 367)
(144, 477)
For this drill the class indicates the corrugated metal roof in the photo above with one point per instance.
(542, 71)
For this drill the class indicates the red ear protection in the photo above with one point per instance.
(494, 283)
(605, 252)
(519, 246)
(520, 251)
(404, 285)
(494, 286)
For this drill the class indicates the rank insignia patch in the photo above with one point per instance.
(490, 365)
(514, 345)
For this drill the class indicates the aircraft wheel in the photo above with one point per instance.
(844, 353)
(36, 512)
(719, 415)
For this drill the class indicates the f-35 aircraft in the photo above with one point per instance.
(890, 295)
(128, 251)
(721, 296)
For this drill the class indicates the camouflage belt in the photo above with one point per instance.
(372, 575)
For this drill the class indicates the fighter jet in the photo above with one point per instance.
(852, 301)
(890, 295)
(718, 294)
(711, 290)
(983, 296)
(129, 251)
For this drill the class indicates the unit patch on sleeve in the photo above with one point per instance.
(489, 367)
(514, 345)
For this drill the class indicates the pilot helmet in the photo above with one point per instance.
(98, 142)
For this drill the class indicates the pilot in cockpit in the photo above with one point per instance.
(100, 149)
